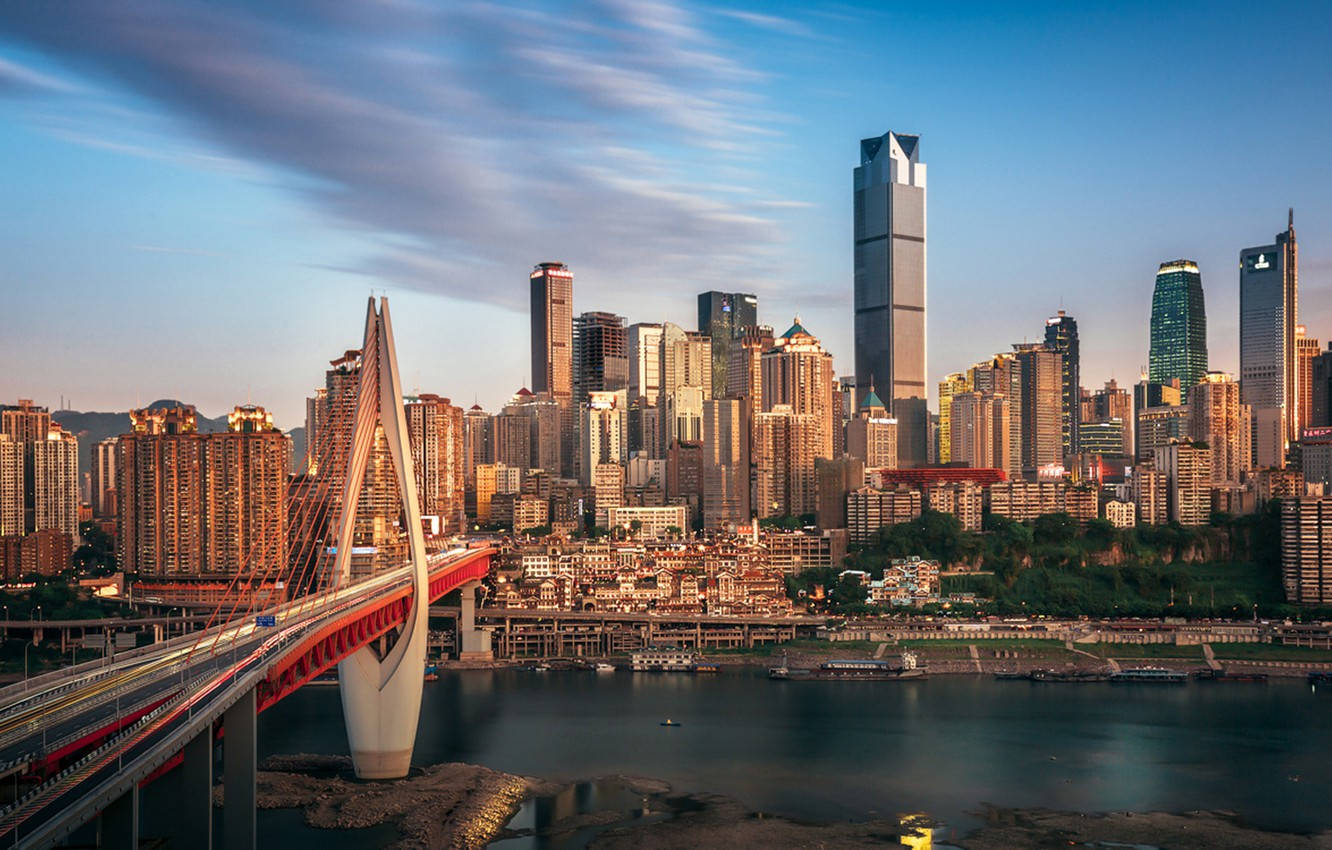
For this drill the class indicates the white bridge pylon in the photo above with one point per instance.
(381, 697)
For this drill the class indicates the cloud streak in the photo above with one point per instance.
(467, 140)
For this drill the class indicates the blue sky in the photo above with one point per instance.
(201, 195)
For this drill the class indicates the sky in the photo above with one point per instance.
(200, 196)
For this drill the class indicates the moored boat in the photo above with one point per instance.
(852, 669)
(1150, 676)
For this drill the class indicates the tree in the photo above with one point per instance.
(1057, 528)
(97, 555)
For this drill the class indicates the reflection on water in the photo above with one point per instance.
(856, 751)
(572, 817)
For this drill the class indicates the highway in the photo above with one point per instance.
(147, 706)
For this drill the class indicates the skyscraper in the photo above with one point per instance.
(889, 238)
(980, 423)
(1061, 334)
(11, 486)
(1306, 350)
(1269, 299)
(602, 434)
(1041, 400)
(725, 462)
(685, 373)
(436, 435)
(644, 362)
(871, 436)
(723, 316)
(600, 354)
(54, 481)
(552, 331)
(951, 385)
(1179, 326)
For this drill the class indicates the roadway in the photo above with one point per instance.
(175, 687)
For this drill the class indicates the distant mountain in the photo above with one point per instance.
(93, 427)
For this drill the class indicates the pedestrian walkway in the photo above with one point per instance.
(975, 657)
(1210, 657)
(878, 653)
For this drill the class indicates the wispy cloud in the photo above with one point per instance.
(470, 139)
(774, 23)
(17, 79)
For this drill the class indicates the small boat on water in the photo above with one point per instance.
(670, 722)
(1149, 676)
(603, 667)
(1223, 676)
(707, 667)
(1011, 675)
(1076, 677)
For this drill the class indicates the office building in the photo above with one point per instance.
(837, 477)
(1269, 304)
(951, 385)
(492, 479)
(723, 316)
(644, 362)
(1061, 335)
(1188, 479)
(552, 331)
(1002, 375)
(1217, 418)
(478, 441)
(1320, 391)
(726, 460)
(1315, 456)
(652, 522)
(685, 374)
(1157, 426)
(1306, 550)
(436, 435)
(890, 281)
(602, 432)
(1102, 437)
(600, 354)
(1179, 327)
(1110, 403)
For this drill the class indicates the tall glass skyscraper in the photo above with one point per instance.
(1269, 298)
(1179, 326)
(723, 316)
(1061, 334)
(890, 286)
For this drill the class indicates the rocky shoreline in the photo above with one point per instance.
(461, 806)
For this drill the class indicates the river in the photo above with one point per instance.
(847, 750)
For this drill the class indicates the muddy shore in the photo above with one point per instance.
(462, 806)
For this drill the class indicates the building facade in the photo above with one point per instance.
(1178, 326)
(723, 316)
(1217, 418)
(890, 281)
(1269, 304)
(1306, 550)
(1061, 335)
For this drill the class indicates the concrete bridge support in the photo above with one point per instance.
(119, 826)
(473, 643)
(381, 686)
(196, 792)
(239, 756)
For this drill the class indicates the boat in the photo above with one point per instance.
(1011, 675)
(1320, 677)
(603, 667)
(670, 722)
(1223, 676)
(707, 667)
(1067, 676)
(663, 660)
(1150, 675)
(432, 677)
(852, 669)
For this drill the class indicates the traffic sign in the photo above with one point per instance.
(266, 621)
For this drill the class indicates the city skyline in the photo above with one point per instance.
(270, 232)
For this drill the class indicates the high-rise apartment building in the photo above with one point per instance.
(1188, 474)
(979, 422)
(493, 479)
(602, 432)
(53, 482)
(316, 411)
(1061, 335)
(12, 486)
(1269, 305)
(889, 240)
(600, 354)
(529, 433)
(1179, 326)
(723, 316)
(869, 509)
(1306, 351)
(436, 435)
(607, 482)
(786, 445)
(25, 422)
(1306, 550)
(685, 373)
(478, 441)
(951, 385)
(798, 373)
(1149, 493)
(1002, 375)
(1217, 418)
(871, 435)
(195, 509)
(103, 475)
(1042, 406)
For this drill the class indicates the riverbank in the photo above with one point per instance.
(466, 806)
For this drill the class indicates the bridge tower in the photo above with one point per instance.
(381, 693)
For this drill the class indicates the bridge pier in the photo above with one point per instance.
(239, 757)
(119, 826)
(196, 798)
(473, 643)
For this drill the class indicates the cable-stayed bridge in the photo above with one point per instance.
(85, 739)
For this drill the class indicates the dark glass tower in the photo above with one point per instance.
(1179, 326)
(1061, 334)
(889, 239)
(723, 316)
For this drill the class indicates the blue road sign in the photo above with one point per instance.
(267, 621)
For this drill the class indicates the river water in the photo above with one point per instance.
(860, 750)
